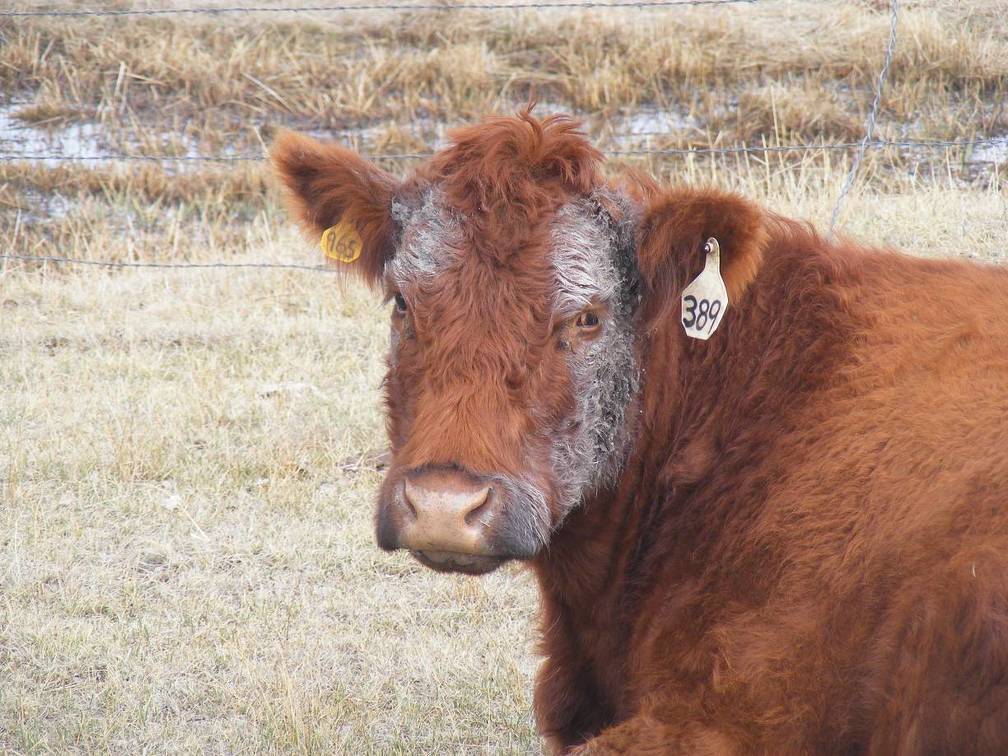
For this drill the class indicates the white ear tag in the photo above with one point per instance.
(705, 300)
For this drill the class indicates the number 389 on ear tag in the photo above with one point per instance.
(341, 242)
(705, 300)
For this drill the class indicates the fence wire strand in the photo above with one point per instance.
(861, 145)
(551, 5)
(890, 49)
(131, 264)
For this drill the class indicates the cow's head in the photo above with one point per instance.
(515, 278)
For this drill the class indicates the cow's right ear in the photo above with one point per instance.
(328, 185)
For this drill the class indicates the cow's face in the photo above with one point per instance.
(513, 278)
(510, 378)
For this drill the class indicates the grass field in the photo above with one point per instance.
(188, 458)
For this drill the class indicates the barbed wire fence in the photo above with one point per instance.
(352, 7)
(860, 147)
(872, 116)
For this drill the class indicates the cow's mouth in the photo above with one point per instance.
(450, 561)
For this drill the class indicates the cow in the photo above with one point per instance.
(761, 476)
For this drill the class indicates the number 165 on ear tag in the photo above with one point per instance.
(705, 300)
(341, 242)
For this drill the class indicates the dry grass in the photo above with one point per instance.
(144, 212)
(185, 537)
(226, 83)
(130, 212)
(186, 558)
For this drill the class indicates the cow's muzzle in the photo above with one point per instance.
(452, 521)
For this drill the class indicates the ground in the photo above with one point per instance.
(188, 457)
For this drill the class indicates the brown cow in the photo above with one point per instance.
(791, 537)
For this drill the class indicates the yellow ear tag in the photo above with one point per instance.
(341, 242)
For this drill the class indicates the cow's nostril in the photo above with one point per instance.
(480, 504)
(409, 502)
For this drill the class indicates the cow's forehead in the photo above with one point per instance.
(576, 249)
(431, 236)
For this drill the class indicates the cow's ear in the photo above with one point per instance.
(670, 243)
(329, 186)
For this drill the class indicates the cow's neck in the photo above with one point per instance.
(705, 408)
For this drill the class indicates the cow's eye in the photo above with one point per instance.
(400, 303)
(588, 321)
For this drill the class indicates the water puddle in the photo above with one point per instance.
(637, 129)
(18, 138)
(651, 123)
(995, 151)
(85, 140)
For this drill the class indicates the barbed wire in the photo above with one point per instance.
(551, 4)
(132, 264)
(872, 115)
(924, 144)
(861, 146)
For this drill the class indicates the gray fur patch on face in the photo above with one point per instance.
(428, 234)
(585, 274)
(593, 257)
(526, 530)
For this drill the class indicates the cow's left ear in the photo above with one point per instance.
(670, 243)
